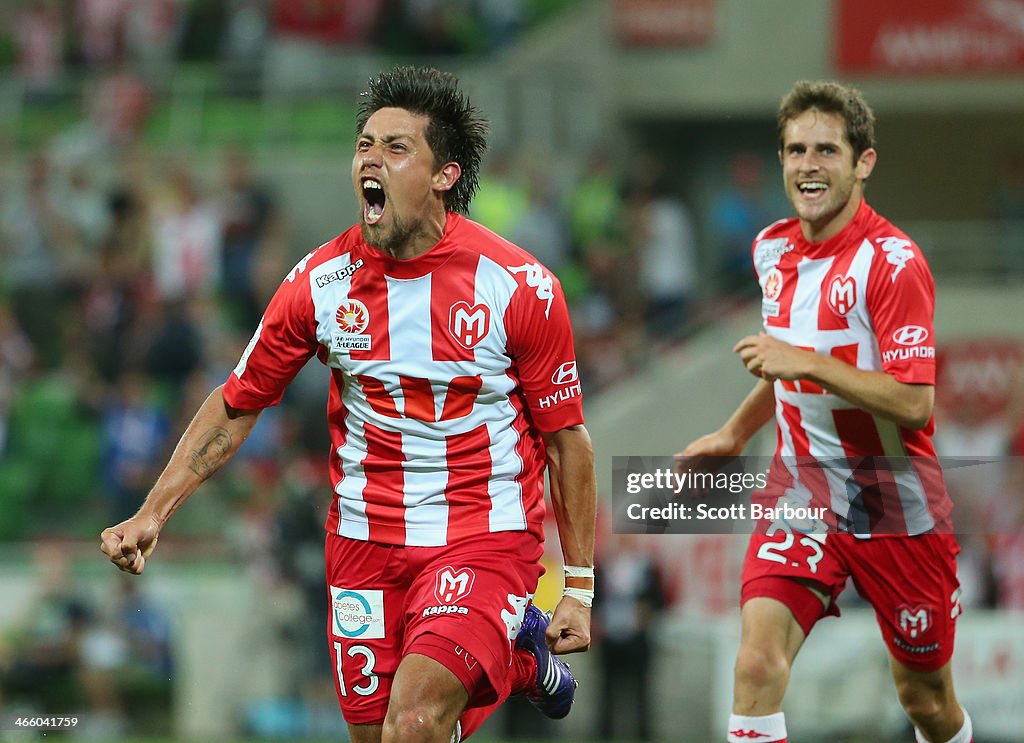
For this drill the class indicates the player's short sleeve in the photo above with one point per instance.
(901, 302)
(540, 342)
(282, 344)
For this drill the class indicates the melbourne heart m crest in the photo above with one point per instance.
(451, 584)
(469, 325)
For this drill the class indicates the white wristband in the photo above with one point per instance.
(584, 595)
(571, 571)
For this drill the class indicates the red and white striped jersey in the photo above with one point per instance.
(865, 296)
(445, 369)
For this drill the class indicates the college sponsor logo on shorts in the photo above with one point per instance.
(914, 621)
(352, 318)
(469, 325)
(450, 584)
(357, 613)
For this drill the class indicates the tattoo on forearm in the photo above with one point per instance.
(214, 449)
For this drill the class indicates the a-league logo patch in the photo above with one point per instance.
(773, 285)
(352, 318)
(450, 585)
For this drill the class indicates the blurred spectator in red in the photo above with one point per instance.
(38, 34)
(330, 22)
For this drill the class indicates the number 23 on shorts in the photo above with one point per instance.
(794, 551)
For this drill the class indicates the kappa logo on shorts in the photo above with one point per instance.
(514, 619)
(357, 613)
(914, 621)
(450, 584)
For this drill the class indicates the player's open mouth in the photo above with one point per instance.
(812, 189)
(373, 201)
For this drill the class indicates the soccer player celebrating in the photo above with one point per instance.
(846, 365)
(453, 387)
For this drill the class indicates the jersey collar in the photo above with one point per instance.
(414, 268)
(839, 241)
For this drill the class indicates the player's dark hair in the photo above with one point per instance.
(456, 131)
(834, 98)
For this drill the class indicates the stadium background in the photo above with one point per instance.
(164, 162)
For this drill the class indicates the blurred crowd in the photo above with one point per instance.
(51, 40)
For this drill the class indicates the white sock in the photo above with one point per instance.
(966, 734)
(765, 729)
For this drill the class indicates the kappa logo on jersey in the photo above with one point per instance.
(352, 318)
(910, 335)
(537, 279)
(357, 613)
(565, 374)
(772, 285)
(341, 273)
(450, 584)
(842, 294)
(752, 734)
(897, 252)
(914, 621)
(469, 325)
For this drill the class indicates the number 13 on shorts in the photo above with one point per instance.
(803, 552)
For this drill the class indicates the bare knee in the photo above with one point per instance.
(923, 700)
(761, 668)
(418, 723)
